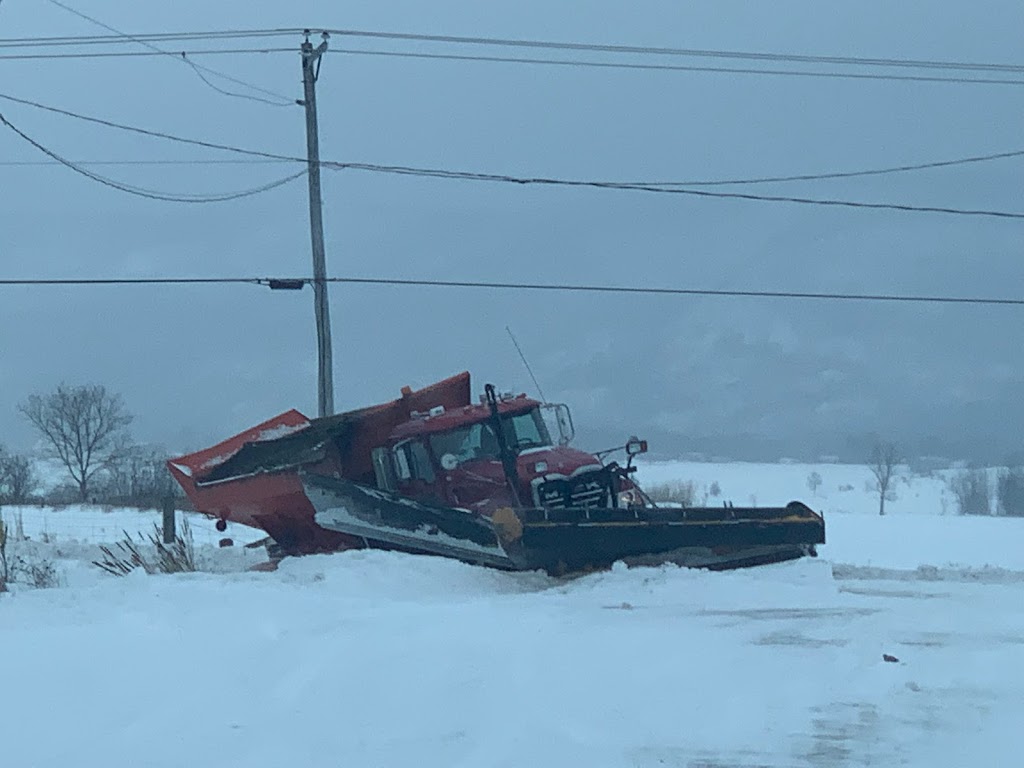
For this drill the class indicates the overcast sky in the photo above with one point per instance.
(739, 377)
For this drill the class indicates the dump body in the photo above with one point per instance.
(252, 477)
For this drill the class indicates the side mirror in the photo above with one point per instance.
(635, 446)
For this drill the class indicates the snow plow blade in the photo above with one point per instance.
(388, 521)
(569, 540)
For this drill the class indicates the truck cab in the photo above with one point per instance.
(487, 456)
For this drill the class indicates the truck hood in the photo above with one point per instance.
(554, 462)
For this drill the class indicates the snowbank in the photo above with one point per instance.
(381, 659)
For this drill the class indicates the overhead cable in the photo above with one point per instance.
(149, 193)
(703, 182)
(901, 298)
(676, 52)
(684, 67)
(142, 54)
(199, 69)
(498, 42)
(65, 41)
(439, 173)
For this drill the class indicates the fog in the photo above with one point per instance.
(733, 377)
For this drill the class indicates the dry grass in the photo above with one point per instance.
(127, 555)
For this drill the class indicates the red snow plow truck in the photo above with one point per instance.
(492, 482)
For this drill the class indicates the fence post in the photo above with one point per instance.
(169, 520)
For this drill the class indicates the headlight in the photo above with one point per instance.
(630, 499)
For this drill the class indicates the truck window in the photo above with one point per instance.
(527, 430)
(478, 442)
(419, 460)
(470, 443)
(402, 462)
(383, 469)
(412, 462)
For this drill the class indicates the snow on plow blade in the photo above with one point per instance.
(563, 541)
(388, 521)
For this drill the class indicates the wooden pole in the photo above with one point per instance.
(325, 379)
(169, 520)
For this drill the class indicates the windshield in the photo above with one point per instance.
(478, 441)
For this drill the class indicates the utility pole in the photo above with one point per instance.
(325, 379)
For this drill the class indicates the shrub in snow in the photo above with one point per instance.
(4, 570)
(1011, 492)
(37, 572)
(970, 488)
(676, 492)
(154, 556)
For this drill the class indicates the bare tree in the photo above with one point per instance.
(138, 477)
(814, 482)
(85, 427)
(18, 479)
(885, 457)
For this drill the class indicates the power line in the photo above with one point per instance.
(437, 173)
(677, 52)
(935, 164)
(199, 69)
(147, 132)
(874, 297)
(848, 174)
(64, 41)
(518, 286)
(149, 193)
(682, 67)
(83, 281)
(136, 54)
(803, 59)
(654, 188)
(140, 162)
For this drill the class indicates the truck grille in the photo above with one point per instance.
(589, 491)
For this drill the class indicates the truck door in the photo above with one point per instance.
(414, 471)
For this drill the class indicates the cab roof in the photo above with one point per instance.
(446, 420)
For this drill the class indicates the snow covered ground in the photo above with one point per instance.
(87, 523)
(380, 659)
(843, 488)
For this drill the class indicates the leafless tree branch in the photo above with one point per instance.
(885, 457)
(85, 427)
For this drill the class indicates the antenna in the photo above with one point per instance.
(528, 368)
